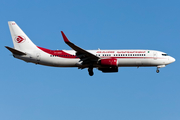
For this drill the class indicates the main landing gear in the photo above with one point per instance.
(90, 70)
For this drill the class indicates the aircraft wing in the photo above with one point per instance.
(83, 54)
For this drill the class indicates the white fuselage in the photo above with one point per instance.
(104, 60)
(67, 58)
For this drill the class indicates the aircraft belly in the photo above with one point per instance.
(66, 62)
(158, 62)
(46, 60)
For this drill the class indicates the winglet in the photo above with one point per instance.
(64, 37)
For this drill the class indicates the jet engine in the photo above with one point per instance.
(109, 62)
(108, 65)
(108, 69)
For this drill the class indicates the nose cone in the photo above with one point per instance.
(171, 59)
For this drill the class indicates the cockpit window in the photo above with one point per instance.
(164, 54)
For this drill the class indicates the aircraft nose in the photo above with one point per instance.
(172, 59)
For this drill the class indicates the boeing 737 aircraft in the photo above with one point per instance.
(104, 60)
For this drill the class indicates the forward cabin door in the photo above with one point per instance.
(155, 55)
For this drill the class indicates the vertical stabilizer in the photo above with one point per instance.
(20, 40)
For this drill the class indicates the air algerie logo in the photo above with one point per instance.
(20, 39)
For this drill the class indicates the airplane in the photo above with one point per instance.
(106, 61)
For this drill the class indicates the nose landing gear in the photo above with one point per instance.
(157, 70)
(160, 66)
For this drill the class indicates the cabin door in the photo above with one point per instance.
(155, 55)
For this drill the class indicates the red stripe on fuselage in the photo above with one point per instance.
(57, 53)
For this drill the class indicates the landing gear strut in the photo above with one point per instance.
(90, 70)
(157, 70)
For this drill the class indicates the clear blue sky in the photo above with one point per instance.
(34, 92)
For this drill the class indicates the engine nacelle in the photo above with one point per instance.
(109, 69)
(109, 62)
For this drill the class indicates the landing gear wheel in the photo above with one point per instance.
(157, 71)
(90, 70)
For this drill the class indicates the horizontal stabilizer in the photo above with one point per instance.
(14, 51)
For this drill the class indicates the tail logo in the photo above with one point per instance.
(20, 39)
